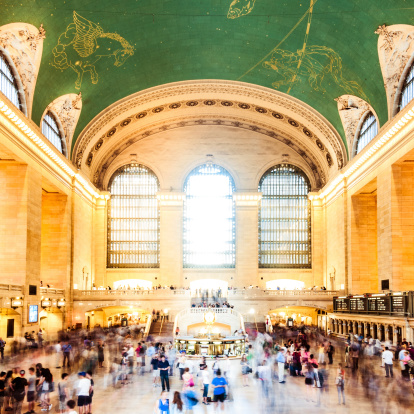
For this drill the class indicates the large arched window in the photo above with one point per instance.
(284, 218)
(209, 218)
(51, 131)
(8, 84)
(133, 218)
(407, 92)
(367, 132)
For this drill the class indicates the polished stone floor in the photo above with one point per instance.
(379, 395)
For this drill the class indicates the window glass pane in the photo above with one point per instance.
(367, 133)
(7, 83)
(407, 92)
(51, 131)
(209, 218)
(133, 218)
(284, 219)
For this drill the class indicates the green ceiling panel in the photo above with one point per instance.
(315, 50)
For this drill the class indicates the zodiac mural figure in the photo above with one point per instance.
(239, 8)
(316, 63)
(83, 44)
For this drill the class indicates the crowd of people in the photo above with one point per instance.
(120, 357)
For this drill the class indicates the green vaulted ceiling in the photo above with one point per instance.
(125, 46)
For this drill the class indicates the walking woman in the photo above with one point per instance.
(45, 386)
(177, 404)
(245, 367)
(340, 383)
(162, 405)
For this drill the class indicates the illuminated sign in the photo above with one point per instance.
(33, 313)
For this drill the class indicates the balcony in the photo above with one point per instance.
(131, 294)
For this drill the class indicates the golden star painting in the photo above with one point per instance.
(83, 44)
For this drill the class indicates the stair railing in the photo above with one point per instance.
(148, 326)
(162, 321)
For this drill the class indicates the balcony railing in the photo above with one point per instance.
(52, 291)
(264, 292)
(13, 289)
(131, 292)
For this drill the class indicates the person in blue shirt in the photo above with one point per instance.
(219, 385)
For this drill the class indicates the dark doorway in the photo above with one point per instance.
(10, 328)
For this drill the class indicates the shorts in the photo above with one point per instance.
(83, 400)
(31, 396)
(219, 397)
(156, 373)
(62, 405)
(205, 390)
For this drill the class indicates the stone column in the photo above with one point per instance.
(20, 232)
(100, 239)
(395, 223)
(171, 238)
(247, 237)
(318, 242)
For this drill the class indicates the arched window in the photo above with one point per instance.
(209, 218)
(368, 131)
(133, 218)
(8, 84)
(52, 132)
(284, 218)
(407, 93)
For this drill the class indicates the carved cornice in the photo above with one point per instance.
(100, 169)
(203, 91)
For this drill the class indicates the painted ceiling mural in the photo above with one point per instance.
(314, 50)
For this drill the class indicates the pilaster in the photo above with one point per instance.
(247, 236)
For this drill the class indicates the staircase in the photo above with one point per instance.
(251, 327)
(166, 329)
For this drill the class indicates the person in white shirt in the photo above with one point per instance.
(58, 350)
(131, 354)
(83, 390)
(387, 359)
(206, 382)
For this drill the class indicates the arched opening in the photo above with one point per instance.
(285, 284)
(209, 218)
(53, 132)
(51, 322)
(8, 82)
(366, 132)
(284, 219)
(116, 316)
(133, 218)
(295, 316)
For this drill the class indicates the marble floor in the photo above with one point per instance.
(139, 396)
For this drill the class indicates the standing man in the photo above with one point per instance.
(83, 390)
(387, 359)
(219, 385)
(2, 346)
(18, 387)
(66, 348)
(31, 390)
(281, 359)
(164, 367)
(330, 352)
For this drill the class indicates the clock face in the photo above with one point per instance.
(209, 317)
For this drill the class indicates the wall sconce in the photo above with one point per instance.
(61, 303)
(46, 303)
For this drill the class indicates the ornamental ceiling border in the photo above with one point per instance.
(273, 115)
(208, 88)
(296, 145)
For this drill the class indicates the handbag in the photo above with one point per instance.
(410, 363)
